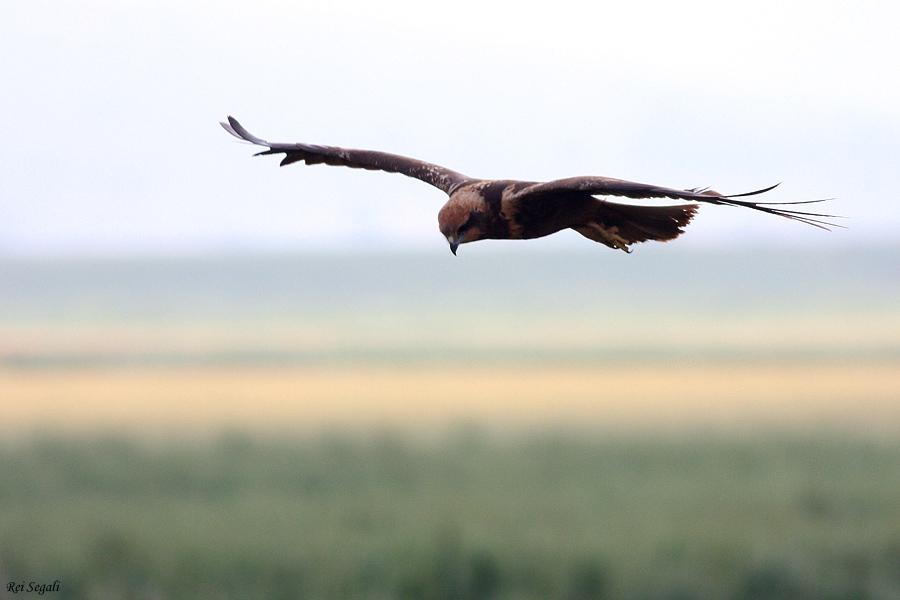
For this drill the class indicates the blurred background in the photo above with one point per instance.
(222, 379)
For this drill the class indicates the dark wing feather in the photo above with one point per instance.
(442, 178)
(607, 186)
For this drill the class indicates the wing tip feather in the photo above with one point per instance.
(814, 219)
(233, 127)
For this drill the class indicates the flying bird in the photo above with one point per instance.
(506, 209)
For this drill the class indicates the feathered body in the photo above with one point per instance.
(499, 210)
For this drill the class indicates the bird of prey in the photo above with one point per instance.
(505, 209)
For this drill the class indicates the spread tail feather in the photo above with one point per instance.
(619, 225)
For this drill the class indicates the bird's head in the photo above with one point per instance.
(461, 220)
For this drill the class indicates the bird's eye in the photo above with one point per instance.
(463, 228)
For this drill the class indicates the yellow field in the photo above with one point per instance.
(640, 396)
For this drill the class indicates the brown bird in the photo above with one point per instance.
(505, 209)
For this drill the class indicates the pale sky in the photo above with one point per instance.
(111, 143)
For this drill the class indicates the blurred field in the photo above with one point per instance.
(643, 396)
(543, 515)
(509, 426)
(657, 339)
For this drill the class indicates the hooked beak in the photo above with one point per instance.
(454, 244)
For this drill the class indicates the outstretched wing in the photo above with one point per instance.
(607, 186)
(442, 178)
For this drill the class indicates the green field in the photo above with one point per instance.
(538, 515)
